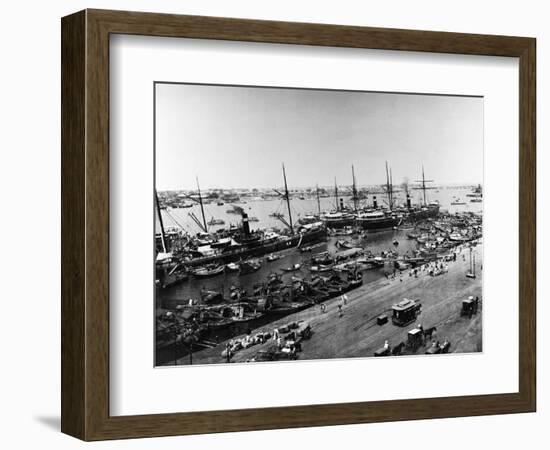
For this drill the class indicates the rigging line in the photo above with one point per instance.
(176, 222)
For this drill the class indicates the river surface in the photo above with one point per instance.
(376, 242)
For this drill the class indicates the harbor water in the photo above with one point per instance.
(375, 242)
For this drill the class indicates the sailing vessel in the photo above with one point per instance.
(428, 210)
(241, 242)
(377, 218)
(168, 271)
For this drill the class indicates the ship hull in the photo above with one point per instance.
(430, 213)
(259, 249)
(339, 223)
(378, 224)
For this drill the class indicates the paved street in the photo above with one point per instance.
(356, 333)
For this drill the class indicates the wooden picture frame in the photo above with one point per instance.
(85, 224)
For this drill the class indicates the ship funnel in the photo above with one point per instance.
(374, 202)
(408, 201)
(246, 226)
(341, 204)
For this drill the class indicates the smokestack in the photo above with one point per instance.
(408, 201)
(341, 204)
(374, 202)
(246, 226)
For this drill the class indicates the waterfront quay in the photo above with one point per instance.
(353, 329)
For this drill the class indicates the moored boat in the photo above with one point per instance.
(208, 271)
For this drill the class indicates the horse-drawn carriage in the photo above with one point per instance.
(469, 306)
(405, 312)
(415, 339)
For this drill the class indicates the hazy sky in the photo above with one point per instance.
(239, 136)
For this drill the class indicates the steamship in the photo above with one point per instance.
(232, 245)
(244, 243)
(377, 218)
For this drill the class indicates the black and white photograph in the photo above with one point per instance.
(297, 224)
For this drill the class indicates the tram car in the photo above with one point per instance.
(405, 312)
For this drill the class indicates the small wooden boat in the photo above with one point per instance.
(232, 267)
(208, 296)
(343, 244)
(216, 222)
(203, 272)
(321, 268)
(249, 267)
(293, 268)
(309, 248)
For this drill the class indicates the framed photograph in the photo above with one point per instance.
(273, 225)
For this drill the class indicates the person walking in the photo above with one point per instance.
(228, 352)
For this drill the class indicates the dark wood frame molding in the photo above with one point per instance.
(85, 224)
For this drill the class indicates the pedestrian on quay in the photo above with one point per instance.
(275, 334)
(345, 299)
(340, 310)
(228, 352)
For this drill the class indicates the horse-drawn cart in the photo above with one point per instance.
(469, 306)
(415, 339)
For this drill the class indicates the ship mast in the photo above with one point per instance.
(388, 190)
(354, 189)
(423, 186)
(391, 189)
(336, 194)
(287, 196)
(318, 200)
(162, 233)
(202, 206)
